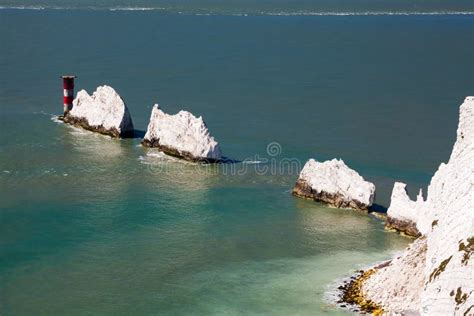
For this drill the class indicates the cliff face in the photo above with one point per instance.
(104, 112)
(182, 135)
(334, 183)
(444, 257)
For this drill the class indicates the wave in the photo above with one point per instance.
(154, 155)
(245, 14)
(368, 13)
(252, 162)
(56, 119)
(22, 8)
(158, 154)
(35, 8)
(135, 9)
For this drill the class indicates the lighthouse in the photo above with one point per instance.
(68, 96)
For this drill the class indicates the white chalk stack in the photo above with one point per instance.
(334, 183)
(181, 135)
(104, 112)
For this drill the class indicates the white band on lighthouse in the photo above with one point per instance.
(68, 92)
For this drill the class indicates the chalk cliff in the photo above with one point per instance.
(435, 275)
(334, 183)
(104, 112)
(181, 135)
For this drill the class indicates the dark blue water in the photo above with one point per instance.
(91, 225)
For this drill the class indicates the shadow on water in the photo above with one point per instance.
(228, 160)
(138, 134)
(378, 208)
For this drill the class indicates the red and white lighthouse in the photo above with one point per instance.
(68, 96)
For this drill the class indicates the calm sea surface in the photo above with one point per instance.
(95, 226)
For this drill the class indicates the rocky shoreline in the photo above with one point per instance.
(351, 294)
(403, 227)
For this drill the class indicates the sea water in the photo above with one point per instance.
(91, 225)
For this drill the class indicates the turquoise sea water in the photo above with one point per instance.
(95, 226)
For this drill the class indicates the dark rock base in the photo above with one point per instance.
(80, 122)
(155, 143)
(406, 227)
(303, 189)
(351, 293)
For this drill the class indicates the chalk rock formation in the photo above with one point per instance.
(181, 135)
(441, 262)
(103, 112)
(403, 213)
(334, 183)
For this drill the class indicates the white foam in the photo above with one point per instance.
(21, 8)
(367, 13)
(154, 156)
(333, 294)
(245, 14)
(56, 119)
(136, 9)
(80, 132)
(252, 162)
(158, 154)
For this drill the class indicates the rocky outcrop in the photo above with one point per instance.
(435, 275)
(334, 183)
(104, 112)
(402, 213)
(181, 135)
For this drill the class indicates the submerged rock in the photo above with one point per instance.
(181, 135)
(334, 183)
(435, 275)
(104, 112)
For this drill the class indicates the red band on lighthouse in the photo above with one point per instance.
(68, 100)
(68, 93)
